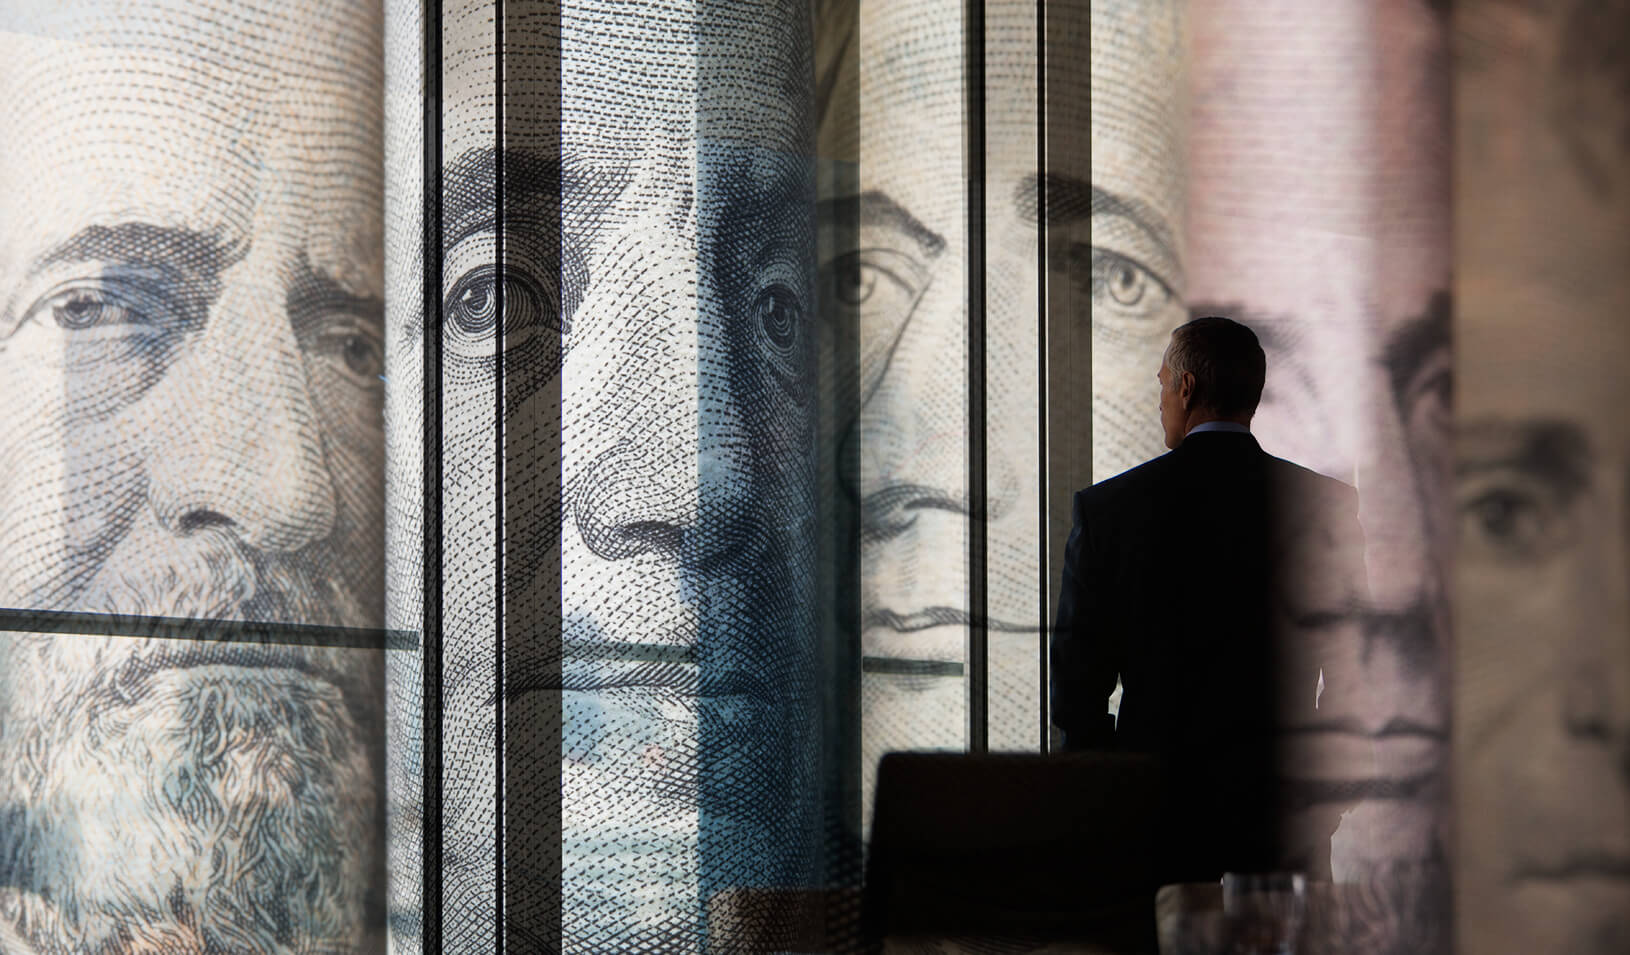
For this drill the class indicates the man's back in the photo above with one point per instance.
(1177, 576)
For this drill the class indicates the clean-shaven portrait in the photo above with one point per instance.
(1139, 120)
(1319, 215)
(900, 284)
(657, 308)
(1542, 477)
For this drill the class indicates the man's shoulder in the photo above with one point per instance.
(1131, 482)
(1132, 479)
(1306, 483)
(1153, 479)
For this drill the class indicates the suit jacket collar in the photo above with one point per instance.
(1209, 441)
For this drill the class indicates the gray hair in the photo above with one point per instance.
(1227, 363)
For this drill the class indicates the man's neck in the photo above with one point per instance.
(1211, 422)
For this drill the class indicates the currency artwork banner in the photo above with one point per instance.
(500, 474)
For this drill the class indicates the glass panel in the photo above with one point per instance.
(1542, 613)
(191, 471)
(407, 587)
(1013, 390)
(1134, 280)
(1138, 172)
(630, 658)
(1319, 215)
(901, 286)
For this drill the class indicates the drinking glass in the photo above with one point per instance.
(1265, 911)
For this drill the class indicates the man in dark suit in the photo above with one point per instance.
(1183, 577)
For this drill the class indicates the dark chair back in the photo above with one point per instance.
(1036, 848)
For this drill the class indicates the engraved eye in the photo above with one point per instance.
(475, 304)
(1119, 282)
(91, 306)
(778, 321)
(872, 293)
(356, 353)
(362, 355)
(1511, 524)
(109, 325)
(1126, 284)
(471, 307)
(876, 278)
(853, 281)
(1123, 281)
(102, 309)
(778, 312)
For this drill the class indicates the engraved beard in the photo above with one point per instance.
(183, 796)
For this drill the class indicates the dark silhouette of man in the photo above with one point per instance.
(1183, 577)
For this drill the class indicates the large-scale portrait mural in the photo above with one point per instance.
(190, 349)
(1318, 214)
(1542, 704)
(657, 334)
(893, 277)
(669, 234)
(902, 288)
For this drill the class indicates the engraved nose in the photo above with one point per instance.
(235, 439)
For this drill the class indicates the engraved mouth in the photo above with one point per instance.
(931, 617)
(1348, 756)
(590, 666)
(129, 682)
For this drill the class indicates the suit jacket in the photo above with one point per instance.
(1177, 576)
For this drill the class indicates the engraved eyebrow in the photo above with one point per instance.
(875, 208)
(185, 255)
(1106, 203)
(144, 243)
(314, 293)
(563, 182)
(1415, 343)
(1552, 450)
(1070, 200)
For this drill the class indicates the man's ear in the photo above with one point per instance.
(1185, 389)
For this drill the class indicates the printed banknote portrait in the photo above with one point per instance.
(1139, 120)
(894, 278)
(190, 351)
(205, 400)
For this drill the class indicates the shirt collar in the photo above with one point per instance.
(1218, 426)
